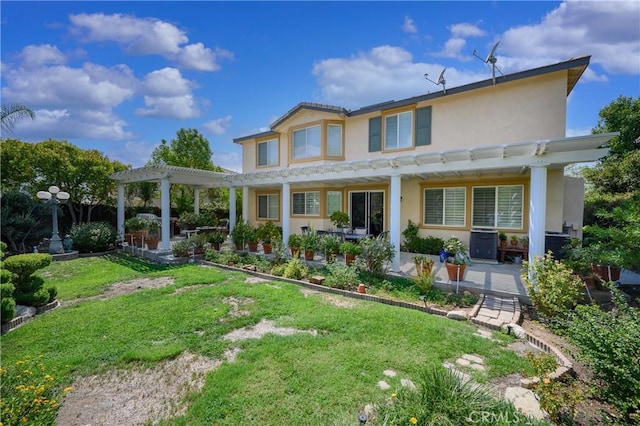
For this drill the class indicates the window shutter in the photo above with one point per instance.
(375, 134)
(423, 126)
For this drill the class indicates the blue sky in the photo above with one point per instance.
(121, 76)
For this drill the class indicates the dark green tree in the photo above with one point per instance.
(23, 220)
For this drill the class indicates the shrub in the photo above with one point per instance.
(443, 398)
(341, 276)
(376, 253)
(93, 237)
(295, 269)
(424, 282)
(53, 293)
(413, 243)
(610, 343)
(5, 276)
(182, 247)
(7, 309)
(6, 290)
(29, 393)
(22, 266)
(553, 289)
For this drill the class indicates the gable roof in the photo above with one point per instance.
(574, 66)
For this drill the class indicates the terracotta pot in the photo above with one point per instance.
(267, 248)
(253, 246)
(239, 246)
(152, 243)
(216, 246)
(198, 250)
(423, 269)
(514, 243)
(589, 281)
(349, 258)
(456, 272)
(295, 252)
(362, 288)
(503, 244)
(309, 254)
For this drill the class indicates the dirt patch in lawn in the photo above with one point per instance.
(125, 287)
(340, 302)
(262, 328)
(137, 396)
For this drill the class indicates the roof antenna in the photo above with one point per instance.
(440, 82)
(490, 59)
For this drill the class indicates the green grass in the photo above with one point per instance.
(298, 379)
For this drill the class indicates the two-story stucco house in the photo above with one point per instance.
(485, 155)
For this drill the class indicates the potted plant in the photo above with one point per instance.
(267, 232)
(294, 242)
(216, 239)
(310, 243)
(331, 245)
(198, 242)
(514, 240)
(136, 227)
(188, 220)
(239, 234)
(339, 219)
(525, 242)
(182, 248)
(458, 258)
(251, 238)
(503, 239)
(350, 251)
(424, 264)
(153, 233)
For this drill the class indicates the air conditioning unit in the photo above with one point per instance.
(483, 244)
(556, 242)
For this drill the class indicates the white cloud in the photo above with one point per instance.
(135, 153)
(408, 26)
(228, 160)
(181, 107)
(43, 54)
(382, 74)
(218, 126)
(166, 82)
(147, 36)
(607, 30)
(465, 29)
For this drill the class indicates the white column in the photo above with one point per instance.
(196, 200)
(537, 209)
(120, 220)
(165, 206)
(232, 208)
(394, 220)
(284, 214)
(245, 204)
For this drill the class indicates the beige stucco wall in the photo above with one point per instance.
(519, 111)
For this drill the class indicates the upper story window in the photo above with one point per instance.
(398, 131)
(268, 153)
(307, 142)
(445, 206)
(306, 203)
(334, 140)
(498, 206)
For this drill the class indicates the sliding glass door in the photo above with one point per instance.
(367, 210)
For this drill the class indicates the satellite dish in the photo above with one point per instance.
(490, 59)
(440, 82)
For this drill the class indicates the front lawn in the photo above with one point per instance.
(297, 379)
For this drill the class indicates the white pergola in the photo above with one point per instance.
(536, 156)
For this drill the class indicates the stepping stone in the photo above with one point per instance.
(389, 373)
(478, 367)
(383, 385)
(463, 376)
(457, 315)
(473, 358)
(463, 362)
(516, 330)
(525, 400)
(408, 384)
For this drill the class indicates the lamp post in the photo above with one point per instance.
(54, 197)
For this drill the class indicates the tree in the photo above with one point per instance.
(16, 163)
(23, 220)
(12, 114)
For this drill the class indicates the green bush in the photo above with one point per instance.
(610, 343)
(553, 289)
(341, 276)
(376, 253)
(22, 266)
(6, 290)
(7, 309)
(93, 237)
(424, 282)
(38, 297)
(295, 269)
(413, 243)
(5, 276)
(53, 293)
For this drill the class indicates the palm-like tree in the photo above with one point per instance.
(13, 113)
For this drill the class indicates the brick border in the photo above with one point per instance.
(18, 321)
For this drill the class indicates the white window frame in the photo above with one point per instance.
(306, 143)
(270, 215)
(498, 215)
(340, 144)
(307, 203)
(446, 208)
(387, 146)
(270, 161)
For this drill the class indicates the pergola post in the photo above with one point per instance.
(196, 200)
(286, 207)
(232, 208)
(394, 220)
(120, 214)
(245, 204)
(537, 210)
(165, 207)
